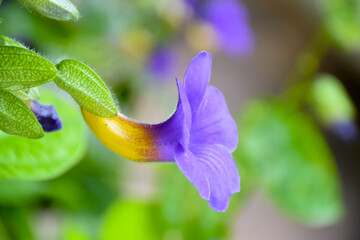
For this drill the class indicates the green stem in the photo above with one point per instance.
(307, 66)
(16, 222)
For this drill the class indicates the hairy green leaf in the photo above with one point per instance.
(62, 10)
(50, 156)
(21, 68)
(291, 160)
(5, 41)
(29, 94)
(86, 87)
(16, 118)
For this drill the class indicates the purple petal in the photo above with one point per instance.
(196, 79)
(192, 3)
(167, 135)
(188, 165)
(46, 116)
(213, 123)
(230, 20)
(210, 168)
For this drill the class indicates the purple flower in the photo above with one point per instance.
(192, 3)
(200, 136)
(210, 136)
(46, 116)
(230, 21)
(162, 63)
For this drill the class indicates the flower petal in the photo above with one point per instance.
(213, 172)
(213, 123)
(46, 116)
(230, 20)
(181, 119)
(188, 165)
(196, 79)
(220, 169)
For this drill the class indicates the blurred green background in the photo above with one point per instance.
(295, 99)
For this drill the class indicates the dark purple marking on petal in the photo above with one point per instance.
(196, 79)
(46, 116)
(213, 123)
(230, 20)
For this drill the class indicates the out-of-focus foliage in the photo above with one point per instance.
(342, 20)
(85, 86)
(16, 117)
(17, 222)
(75, 231)
(290, 159)
(330, 101)
(22, 158)
(18, 192)
(131, 220)
(62, 10)
(190, 219)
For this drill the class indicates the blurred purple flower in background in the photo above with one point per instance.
(210, 136)
(46, 116)
(162, 63)
(229, 19)
(346, 130)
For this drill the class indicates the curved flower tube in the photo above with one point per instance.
(200, 136)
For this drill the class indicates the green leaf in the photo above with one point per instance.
(16, 117)
(5, 41)
(330, 101)
(21, 68)
(50, 156)
(289, 157)
(62, 10)
(131, 216)
(75, 229)
(29, 94)
(17, 222)
(15, 192)
(86, 87)
(342, 20)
